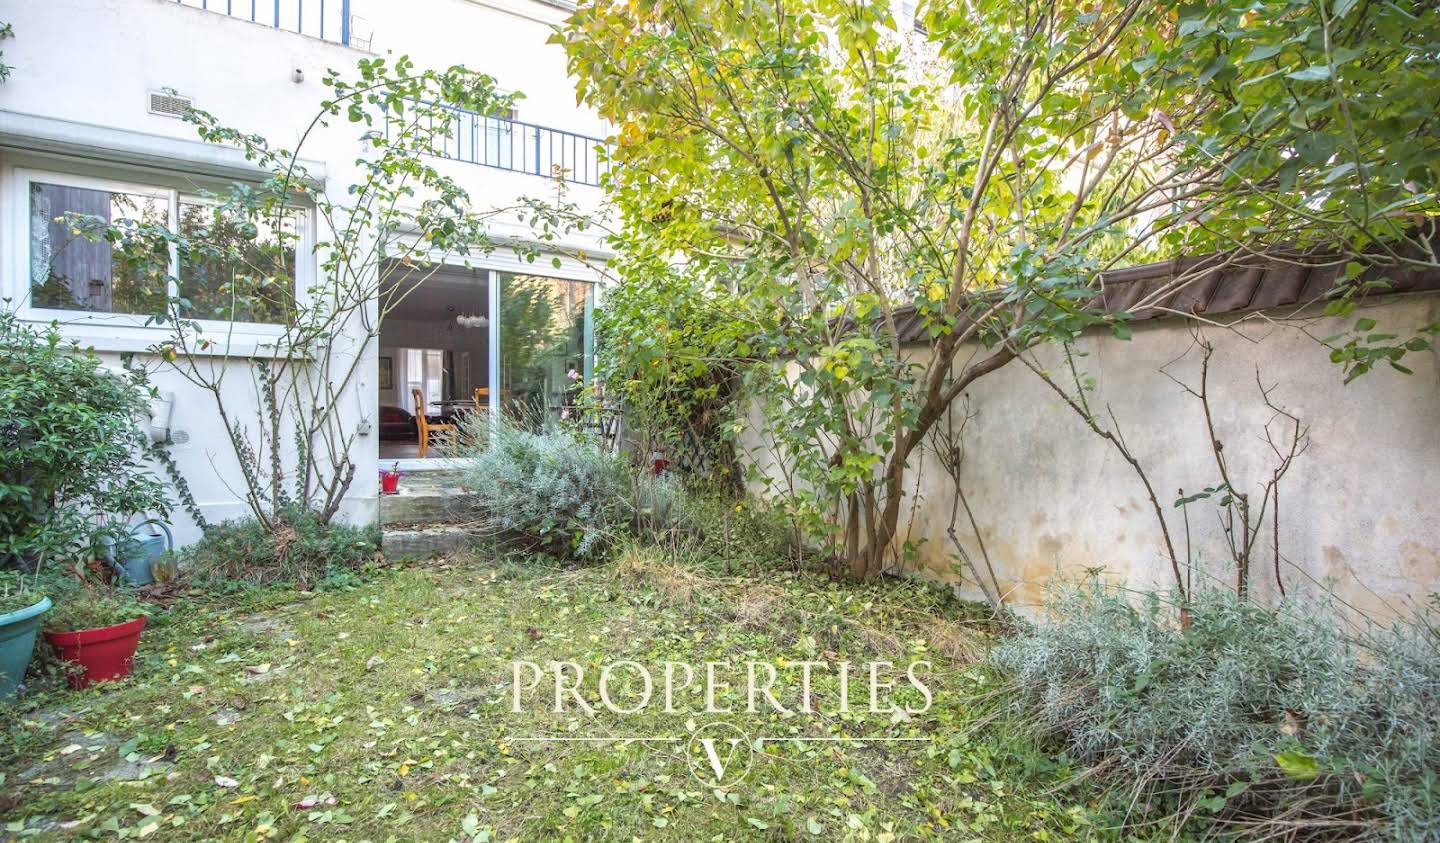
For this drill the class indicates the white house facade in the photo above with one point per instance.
(89, 123)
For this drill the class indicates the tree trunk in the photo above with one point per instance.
(884, 524)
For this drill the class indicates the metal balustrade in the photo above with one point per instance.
(328, 20)
(522, 147)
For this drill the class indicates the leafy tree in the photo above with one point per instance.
(820, 184)
(673, 353)
(539, 342)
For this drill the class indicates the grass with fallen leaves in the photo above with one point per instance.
(383, 711)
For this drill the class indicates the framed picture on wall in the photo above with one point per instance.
(387, 373)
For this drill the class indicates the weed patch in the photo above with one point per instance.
(301, 552)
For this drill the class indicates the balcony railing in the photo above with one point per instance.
(328, 20)
(522, 147)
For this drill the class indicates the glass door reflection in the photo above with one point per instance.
(546, 345)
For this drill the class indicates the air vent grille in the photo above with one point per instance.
(170, 104)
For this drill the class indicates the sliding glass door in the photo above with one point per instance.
(546, 344)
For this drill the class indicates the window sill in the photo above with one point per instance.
(107, 336)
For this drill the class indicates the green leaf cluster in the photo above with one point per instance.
(72, 470)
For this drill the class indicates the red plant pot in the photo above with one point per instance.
(103, 654)
(389, 483)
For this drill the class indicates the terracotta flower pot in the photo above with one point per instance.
(103, 654)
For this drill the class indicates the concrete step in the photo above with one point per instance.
(424, 542)
(425, 498)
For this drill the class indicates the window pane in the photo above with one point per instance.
(69, 272)
(542, 344)
(434, 375)
(237, 269)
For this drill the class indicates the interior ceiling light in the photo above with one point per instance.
(465, 321)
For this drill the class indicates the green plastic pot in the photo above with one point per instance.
(17, 642)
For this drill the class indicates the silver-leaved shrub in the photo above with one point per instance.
(552, 489)
(1264, 720)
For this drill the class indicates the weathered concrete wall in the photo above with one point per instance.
(1358, 514)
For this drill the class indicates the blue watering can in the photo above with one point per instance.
(134, 555)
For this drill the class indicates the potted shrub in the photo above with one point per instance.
(72, 475)
(96, 628)
(21, 606)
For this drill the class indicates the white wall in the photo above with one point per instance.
(504, 38)
(93, 62)
(1358, 509)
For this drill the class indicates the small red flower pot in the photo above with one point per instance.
(103, 654)
(659, 464)
(389, 482)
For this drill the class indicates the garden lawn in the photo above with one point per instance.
(383, 711)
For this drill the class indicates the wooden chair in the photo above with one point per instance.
(482, 399)
(423, 424)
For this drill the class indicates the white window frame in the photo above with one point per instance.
(16, 283)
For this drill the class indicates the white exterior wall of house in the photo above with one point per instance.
(77, 103)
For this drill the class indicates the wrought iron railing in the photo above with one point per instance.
(522, 147)
(328, 20)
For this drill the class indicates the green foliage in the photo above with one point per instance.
(557, 491)
(304, 551)
(82, 605)
(6, 31)
(1361, 347)
(550, 490)
(713, 530)
(18, 591)
(1243, 715)
(1336, 98)
(1336, 101)
(794, 183)
(71, 470)
(672, 353)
